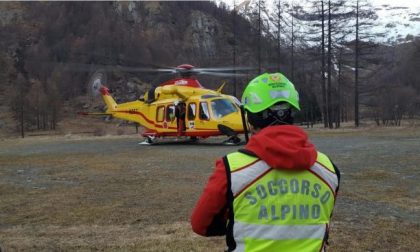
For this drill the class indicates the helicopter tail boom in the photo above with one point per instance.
(109, 101)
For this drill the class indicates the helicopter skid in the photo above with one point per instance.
(145, 142)
(233, 138)
(150, 140)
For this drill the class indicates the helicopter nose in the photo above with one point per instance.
(236, 125)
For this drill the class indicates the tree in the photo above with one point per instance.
(323, 71)
(54, 98)
(328, 32)
(36, 98)
(338, 19)
(364, 15)
(292, 49)
(234, 14)
(356, 69)
(279, 17)
(329, 64)
(259, 36)
(19, 104)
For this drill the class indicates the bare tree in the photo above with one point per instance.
(259, 36)
(356, 69)
(18, 103)
(323, 71)
(279, 14)
(54, 99)
(329, 64)
(364, 15)
(234, 14)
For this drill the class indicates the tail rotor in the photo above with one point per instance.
(96, 82)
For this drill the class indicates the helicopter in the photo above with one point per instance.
(179, 107)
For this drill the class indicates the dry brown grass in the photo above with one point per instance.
(175, 236)
(380, 234)
(78, 193)
(100, 201)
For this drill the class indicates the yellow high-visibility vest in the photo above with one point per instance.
(279, 210)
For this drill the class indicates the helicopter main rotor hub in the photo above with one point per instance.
(185, 66)
(186, 70)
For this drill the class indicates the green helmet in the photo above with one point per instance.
(268, 89)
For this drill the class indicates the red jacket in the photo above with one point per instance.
(282, 147)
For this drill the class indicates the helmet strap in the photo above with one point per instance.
(270, 117)
(280, 117)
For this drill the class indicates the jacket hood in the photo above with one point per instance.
(283, 147)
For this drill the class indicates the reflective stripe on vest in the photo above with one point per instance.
(326, 175)
(242, 178)
(272, 232)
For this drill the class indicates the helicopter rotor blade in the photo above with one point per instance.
(90, 67)
(224, 69)
(149, 70)
(223, 74)
(107, 68)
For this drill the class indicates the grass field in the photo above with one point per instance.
(108, 193)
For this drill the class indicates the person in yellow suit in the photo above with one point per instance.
(279, 192)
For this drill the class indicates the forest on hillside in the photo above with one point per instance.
(49, 50)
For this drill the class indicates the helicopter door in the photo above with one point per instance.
(160, 117)
(203, 115)
(191, 115)
(170, 117)
(180, 111)
(160, 114)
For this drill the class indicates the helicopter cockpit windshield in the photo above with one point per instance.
(222, 107)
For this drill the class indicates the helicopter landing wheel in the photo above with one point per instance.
(233, 140)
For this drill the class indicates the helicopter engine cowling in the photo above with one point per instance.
(176, 90)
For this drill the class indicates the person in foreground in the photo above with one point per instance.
(276, 194)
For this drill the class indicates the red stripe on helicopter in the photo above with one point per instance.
(202, 131)
(145, 118)
(203, 134)
(137, 113)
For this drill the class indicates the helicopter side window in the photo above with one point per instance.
(160, 114)
(170, 113)
(222, 107)
(204, 111)
(191, 111)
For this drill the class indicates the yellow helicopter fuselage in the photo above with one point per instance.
(204, 110)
